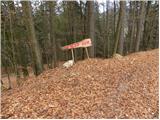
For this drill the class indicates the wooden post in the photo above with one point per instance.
(72, 54)
(87, 52)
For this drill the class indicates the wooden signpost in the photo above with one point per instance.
(84, 43)
(72, 54)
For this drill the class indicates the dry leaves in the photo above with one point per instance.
(94, 88)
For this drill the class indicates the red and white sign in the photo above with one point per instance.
(83, 43)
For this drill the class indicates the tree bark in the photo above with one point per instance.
(91, 26)
(119, 26)
(107, 42)
(73, 16)
(114, 25)
(52, 34)
(140, 26)
(13, 39)
(121, 39)
(147, 27)
(9, 80)
(133, 5)
(37, 57)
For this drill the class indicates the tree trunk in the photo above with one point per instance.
(46, 35)
(52, 34)
(73, 16)
(121, 39)
(13, 39)
(119, 26)
(9, 80)
(114, 25)
(26, 5)
(107, 42)
(85, 27)
(133, 5)
(114, 28)
(140, 26)
(107, 26)
(146, 26)
(91, 26)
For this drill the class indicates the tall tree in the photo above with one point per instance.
(83, 26)
(13, 38)
(146, 25)
(52, 33)
(114, 25)
(107, 28)
(140, 26)
(91, 26)
(120, 26)
(132, 17)
(122, 34)
(73, 25)
(37, 58)
(107, 31)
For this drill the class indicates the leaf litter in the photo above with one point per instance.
(92, 88)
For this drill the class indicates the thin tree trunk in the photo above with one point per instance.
(114, 25)
(91, 26)
(9, 80)
(107, 26)
(107, 42)
(13, 41)
(85, 28)
(46, 35)
(150, 36)
(114, 28)
(133, 26)
(117, 35)
(146, 26)
(74, 27)
(140, 26)
(52, 33)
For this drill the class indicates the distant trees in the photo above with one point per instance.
(33, 33)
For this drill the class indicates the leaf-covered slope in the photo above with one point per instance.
(94, 88)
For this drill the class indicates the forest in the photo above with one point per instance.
(34, 32)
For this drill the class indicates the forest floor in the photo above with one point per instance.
(124, 87)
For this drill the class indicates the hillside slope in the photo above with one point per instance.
(94, 88)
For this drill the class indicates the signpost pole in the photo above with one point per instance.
(72, 54)
(87, 52)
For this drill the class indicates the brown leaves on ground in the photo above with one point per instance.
(94, 88)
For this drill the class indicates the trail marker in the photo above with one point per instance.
(84, 43)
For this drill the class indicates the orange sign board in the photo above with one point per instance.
(83, 43)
